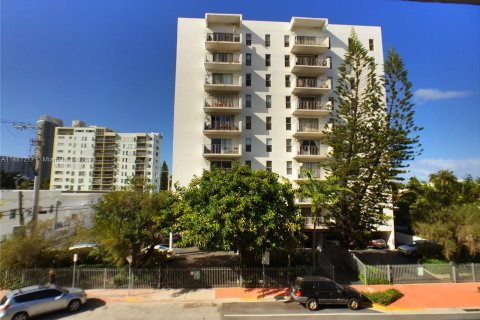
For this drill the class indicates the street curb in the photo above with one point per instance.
(379, 307)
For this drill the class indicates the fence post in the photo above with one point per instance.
(389, 273)
(454, 273)
(473, 273)
(104, 278)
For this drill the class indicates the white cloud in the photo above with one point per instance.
(422, 168)
(422, 95)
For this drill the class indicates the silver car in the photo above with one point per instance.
(20, 304)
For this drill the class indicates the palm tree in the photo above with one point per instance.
(323, 195)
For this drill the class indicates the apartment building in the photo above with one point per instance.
(100, 159)
(260, 93)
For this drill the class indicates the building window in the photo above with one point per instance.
(248, 144)
(248, 163)
(223, 165)
(268, 81)
(288, 123)
(287, 60)
(269, 166)
(248, 122)
(248, 101)
(268, 101)
(289, 167)
(248, 79)
(269, 144)
(286, 41)
(248, 59)
(269, 123)
(288, 102)
(267, 60)
(370, 44)
(267, 40)
(287, 81)
(289, 145)
(248, 39)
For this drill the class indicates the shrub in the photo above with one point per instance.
(384, 297)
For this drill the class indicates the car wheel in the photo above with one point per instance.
(74, 305)
(312, 304)
(20, 316)
(353, 304)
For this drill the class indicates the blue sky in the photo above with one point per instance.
(112, 63)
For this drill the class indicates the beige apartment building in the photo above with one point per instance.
(260, 93)
(100, 159)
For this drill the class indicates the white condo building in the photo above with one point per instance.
(100, 159)
(260, 93)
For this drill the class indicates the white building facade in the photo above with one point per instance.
(100, 159)
(260, 93)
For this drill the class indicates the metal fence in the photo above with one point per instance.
(416, 273)
(109, 278)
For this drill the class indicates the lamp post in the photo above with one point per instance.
(75, 258)
(129, 259)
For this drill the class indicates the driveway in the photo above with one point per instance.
(383, 257)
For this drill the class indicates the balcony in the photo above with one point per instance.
(311, 65)
(218, 151)
(223, 82)
(222, 128)
(222, 104)
(308, 223)
(310, 108)
(310, 44)
(223, 41)
(317, 173)
(311, 153)
(312, 86)
(310, 130)
(223, 61)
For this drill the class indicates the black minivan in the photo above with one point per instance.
(316, 291)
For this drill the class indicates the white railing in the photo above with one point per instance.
(312, 41)
(219, 149)
(313, 83)
(222, 57)
(222, 79)
(222, 125)
(313, 61)
(223, 37)
(227, 101)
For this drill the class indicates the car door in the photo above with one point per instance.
(57, 299)
(330, 293)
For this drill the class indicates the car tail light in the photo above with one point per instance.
(4, 307)
(298, 293)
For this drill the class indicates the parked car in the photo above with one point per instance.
(316, 291)
(411, 248)
(378, 244)
(21, 304)
(79, 246)
(162, 248)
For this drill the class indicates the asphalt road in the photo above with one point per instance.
(98, 309)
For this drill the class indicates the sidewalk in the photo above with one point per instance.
(416, 296)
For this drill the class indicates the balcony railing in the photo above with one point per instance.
(310, 105)
(223, 80)
(222, 102)
(309, 221)
(223, 37)
(222, 57)
(312, 41)
(219, 149)
(309, 127)
(316, 173)
(222, 125)
(309, 150)
(312, 61)
(313, 83)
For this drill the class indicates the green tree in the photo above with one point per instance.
(240, 209)
(7, 180)
(370, 139)
(323, 195)
(164, 177)
(128, 220)
(457, 228)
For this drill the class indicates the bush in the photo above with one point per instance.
(384, 297)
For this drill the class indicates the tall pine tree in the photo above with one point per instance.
(164, 177)
(370, 140)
